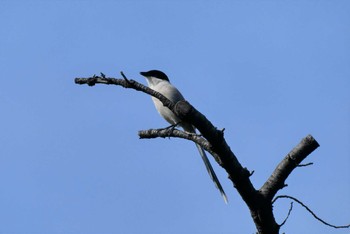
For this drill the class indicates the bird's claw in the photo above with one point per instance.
(170, 128)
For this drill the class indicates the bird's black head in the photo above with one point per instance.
(155, 73)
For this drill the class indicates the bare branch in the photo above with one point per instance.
(310, 211)
(287, 165)
(126, 83)
(166, 132)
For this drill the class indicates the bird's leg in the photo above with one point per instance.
(171, 127)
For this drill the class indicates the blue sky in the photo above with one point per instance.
(269, 72)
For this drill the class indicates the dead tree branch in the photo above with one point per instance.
(126, 83)
(287, 165)
(212, 139)
(165, 132)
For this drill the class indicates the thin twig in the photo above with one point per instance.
(305, 165)
(310, 211)
(125, 78)
(290, 210)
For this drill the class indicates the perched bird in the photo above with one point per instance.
(159, 82)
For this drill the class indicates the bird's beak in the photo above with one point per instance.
(143, 73)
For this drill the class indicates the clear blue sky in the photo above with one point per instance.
(269, 72)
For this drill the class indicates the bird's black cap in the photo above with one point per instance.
(155, 73)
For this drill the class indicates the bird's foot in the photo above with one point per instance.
(170, 128)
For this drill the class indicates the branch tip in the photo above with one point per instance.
(290, 211)
(125, 78)
(306, 164)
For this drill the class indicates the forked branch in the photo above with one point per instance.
(212, 140)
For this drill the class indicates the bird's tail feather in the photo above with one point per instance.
(191, 129)
(211, 172)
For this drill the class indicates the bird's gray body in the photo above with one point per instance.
(159, 82)
(171, 93)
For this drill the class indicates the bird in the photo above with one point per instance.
(159, 82)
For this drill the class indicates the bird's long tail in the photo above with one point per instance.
(211, 172)
(191, 129)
